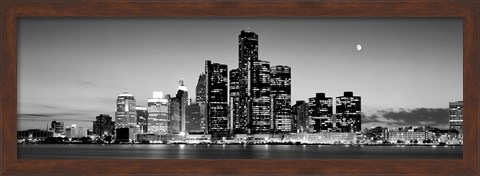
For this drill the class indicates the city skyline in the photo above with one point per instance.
(93, 91)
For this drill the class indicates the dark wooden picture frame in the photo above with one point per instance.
(11, 10)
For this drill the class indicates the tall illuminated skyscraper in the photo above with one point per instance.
(247, 55)
(201, 96)
(455, 121)
(126, 115)
(200, 89)
(239, 125)
(321, 111)
(157, 113)
(280, 85)
(182, 96)
(216, 98)
(174, 116)
(348, 116)
(261, 120)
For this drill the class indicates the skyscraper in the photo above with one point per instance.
(238, 124)
(348, 116)
(200, 89)
(192, 118)
(216, 97)
(126, 115)
(103, 125)
(301, 121)
(200, 100)
(321, 111)
(248, 54)
(455, 120)
(174, 116)
(157, 113)
(280, 85)
(142, 118)
(182, 96)
(261, 120)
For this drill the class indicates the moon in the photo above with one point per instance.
(359, 47)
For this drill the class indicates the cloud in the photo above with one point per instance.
(47, 106)
(32, 115)
(436, 117)
(85, 83)
(52, 116)
(426, 123)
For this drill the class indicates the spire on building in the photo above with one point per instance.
(182, 86)
(181, 82)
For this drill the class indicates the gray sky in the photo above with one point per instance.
(72, 69)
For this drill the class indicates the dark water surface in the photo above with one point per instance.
(182, 151)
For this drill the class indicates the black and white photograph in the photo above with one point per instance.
(240, 88)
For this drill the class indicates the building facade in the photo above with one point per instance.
(57, 127)
(323, 138)
(200, 99)
(174, 116)
(321, 112)
(125, 135)
(157, 114)
(348, 113)
(182, 97)
(455, 120)
(200, 89)
(408, 136)
(192, 118)
(142, 118)
(103, 125)
(376, 133)
(238, 124)
(301, 119)
(280, 87)
(75, 131)
(34, 134)
(261, 119)
(248, 54)
(126, 114)
(216, 98)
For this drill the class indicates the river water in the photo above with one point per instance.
(183, 151)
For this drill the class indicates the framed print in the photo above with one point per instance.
(359, 123)
(257, 87)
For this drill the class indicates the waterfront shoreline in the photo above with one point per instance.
(384, 145)
(216, 151)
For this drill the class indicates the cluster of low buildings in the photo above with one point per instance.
(423, 135)
(55, 130)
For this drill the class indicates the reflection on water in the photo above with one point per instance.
(182, 151)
